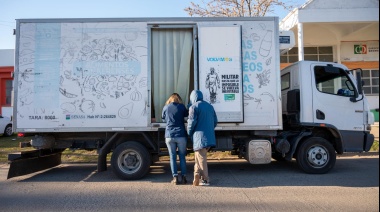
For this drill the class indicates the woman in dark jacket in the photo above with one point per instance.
(174, 113)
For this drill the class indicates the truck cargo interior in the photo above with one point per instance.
(172, 66)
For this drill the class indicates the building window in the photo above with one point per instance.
(321, 53)
(285, 81)
(371, 82)
(8, 92)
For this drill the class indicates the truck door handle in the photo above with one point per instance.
(320, 115)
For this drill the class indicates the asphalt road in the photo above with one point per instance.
(236, 185)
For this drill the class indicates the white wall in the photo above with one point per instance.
(373, 102)
(342, 4)
(7, 57)
(348, 52)
(7, 111)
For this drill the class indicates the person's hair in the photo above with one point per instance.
(174, 98)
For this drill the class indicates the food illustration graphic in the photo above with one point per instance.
(126, 111)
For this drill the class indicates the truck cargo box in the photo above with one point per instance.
(82, 75)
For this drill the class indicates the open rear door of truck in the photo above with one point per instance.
(220, 70)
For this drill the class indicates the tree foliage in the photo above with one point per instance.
(237, 8)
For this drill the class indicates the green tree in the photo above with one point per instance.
(237, 8)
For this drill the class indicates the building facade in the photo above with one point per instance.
(339, 31)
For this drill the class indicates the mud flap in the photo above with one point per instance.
(368, 141)
(26, 162)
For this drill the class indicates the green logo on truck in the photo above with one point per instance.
(229, 97)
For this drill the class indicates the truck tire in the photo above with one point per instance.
(8, 131)
(316, 156)
(130, 161)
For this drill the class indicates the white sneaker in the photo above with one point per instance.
(204, 183)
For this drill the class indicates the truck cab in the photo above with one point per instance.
(327, 99)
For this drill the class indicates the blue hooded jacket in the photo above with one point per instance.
(201, 122)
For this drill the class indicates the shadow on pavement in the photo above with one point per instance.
(348, 172)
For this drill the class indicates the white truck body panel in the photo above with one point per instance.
(79, 75)
(66, 76)
(307, 114)
(220, 70)
(336, 108)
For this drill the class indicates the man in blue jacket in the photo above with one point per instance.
(201, 125)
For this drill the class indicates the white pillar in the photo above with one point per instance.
(300, 42)
(338, 53)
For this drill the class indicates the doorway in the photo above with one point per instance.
(172, 65)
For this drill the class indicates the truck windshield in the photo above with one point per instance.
(333, 82)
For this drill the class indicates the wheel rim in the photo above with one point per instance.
(8, 131)
(318, 156)
(129, 161)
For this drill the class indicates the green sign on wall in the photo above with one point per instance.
(360, 49)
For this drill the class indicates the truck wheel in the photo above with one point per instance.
(316, 156)
(130, 161)
(8, 131)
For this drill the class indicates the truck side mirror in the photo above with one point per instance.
(359, 82)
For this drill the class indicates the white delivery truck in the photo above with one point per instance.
(102, 83)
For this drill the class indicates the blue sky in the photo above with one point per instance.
(25, 9)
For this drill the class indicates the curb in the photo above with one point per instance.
(359, 154)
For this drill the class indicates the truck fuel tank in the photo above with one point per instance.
(258, 152)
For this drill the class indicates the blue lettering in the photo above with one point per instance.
(253, 54)
(246, 56)
(245, 66)
(248, 88)
(247, 44)
(216, 59)
(259, 67)
(252, 66)
(245, 78)
(250, 55)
